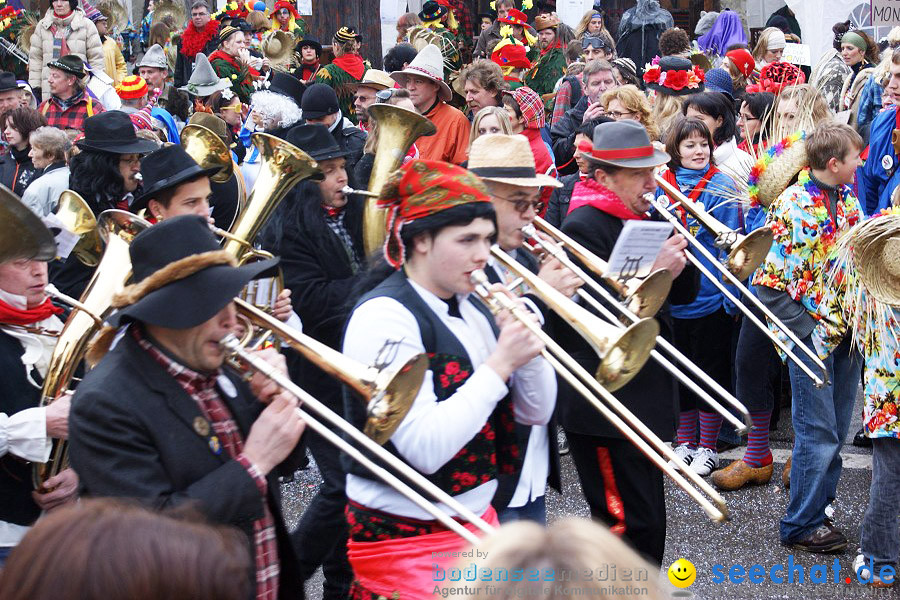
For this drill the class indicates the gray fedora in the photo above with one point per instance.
(624, 144)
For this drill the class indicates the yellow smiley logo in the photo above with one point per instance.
(682, 573)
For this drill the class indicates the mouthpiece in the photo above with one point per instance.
(138, 176)
(348, 191)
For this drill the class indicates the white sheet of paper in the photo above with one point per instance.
(637, 247)
(304, 7)
(65, 239)
(797, 54)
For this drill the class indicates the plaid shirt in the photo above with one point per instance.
(563, 102)
(463, 16)
(70, 116)
(202, 389)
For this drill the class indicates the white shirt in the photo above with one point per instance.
(433, 432)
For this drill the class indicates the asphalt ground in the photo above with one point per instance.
(749, 538)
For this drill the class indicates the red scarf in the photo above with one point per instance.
(10, 315)
(352, 63)
(231, 61)
(588, 192)
(307, 70)
(59, 16)
(193, 41)
(556, 44)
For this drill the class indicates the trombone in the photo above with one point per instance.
(390, 394)
(611, 409)
(742, 256)
(598, 266)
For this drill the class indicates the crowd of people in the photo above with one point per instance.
(532, 132)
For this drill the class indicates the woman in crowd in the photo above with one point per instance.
(860, 53)
(64, 30)
(628, 102)
(716, 111)
(830, 70)
(490, 119)
(49, 153)
(798, 107)
(591, 23)
(769, 47)
(670, 81)
(16, 168)
(755, 120)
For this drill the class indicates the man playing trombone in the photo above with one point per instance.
(159, 419)
(485, 376)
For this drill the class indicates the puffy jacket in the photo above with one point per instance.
(113, 61)
(83, 41)
(17, 170)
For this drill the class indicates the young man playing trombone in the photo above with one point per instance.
(485, 376)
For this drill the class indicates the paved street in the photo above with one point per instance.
(751, 537)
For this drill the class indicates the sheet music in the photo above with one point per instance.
(637, 247)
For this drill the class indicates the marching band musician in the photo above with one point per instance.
(486, 376)
(159, 419)
(622, 487)
(28, 321)
(506, 166)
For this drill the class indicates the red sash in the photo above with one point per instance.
(669, 176)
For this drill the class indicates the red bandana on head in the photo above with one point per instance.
(421, 188)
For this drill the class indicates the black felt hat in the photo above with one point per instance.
(71, 64)
(316, 141)
(312, 43)
(113, 131)
(431, 11)
(8, 82)
(167, 168)
(318, 101)
(287, 85)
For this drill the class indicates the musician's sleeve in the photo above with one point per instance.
(24, 434)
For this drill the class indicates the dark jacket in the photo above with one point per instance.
(17, 170)
(653, 394)
(225, 200)
(131, 434)
(184, 65)
(562, 136)
(351, 139)
(558, 207)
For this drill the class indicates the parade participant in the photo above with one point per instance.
(506, 166)
(232, 62)
(200, 36)
(405, 22)
(346, 69)
(64, 30)
(275, 108)
(424, 80)
(716, 110)
(320, 106)
(859, 53)
(551, 65)
(432, 15)
(490, 119)
(310, 53)
(286, 18)
(754, 121)
(16, 168)
(10, 92)
(625, 71)
(526, 116)
(489, 37)
(28, 322)
(671, 81)
(880, 175)
(318, 234)
(483, 85)
(459, 432)
(485, 19)
(769, 47)
(789, 283)
(173, 184)
(521, 32)
(362, 173)
(113, 61)
(628, 102)
(372, 82)
(133, 93)
(703, 328)
(204, 81)
(226, 196)
(622, 487)
(597, 47)
(160, 419)
(69, 103)
(513, 62)
(49, 153)
(154, 69)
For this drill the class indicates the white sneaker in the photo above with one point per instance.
(704, 461)
(860, 563)
(684, 452)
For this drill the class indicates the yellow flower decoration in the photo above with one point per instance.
(233, 76)
(527, 4)
(506, 31)
(493, 5)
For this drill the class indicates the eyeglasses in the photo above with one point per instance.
(615, 114)
(384, 95)
(522, 206)
(234, 107)
(130, 161)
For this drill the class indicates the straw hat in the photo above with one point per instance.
(876, 256)
(375, 79)
(428, 63)
(776, 168)
(507, 159)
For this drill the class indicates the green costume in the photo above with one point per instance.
(342, 82)
(546, 72)
(240, 76)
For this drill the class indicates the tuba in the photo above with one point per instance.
(398, 129)
(166, 8)
(208, 150)
(117, 228)
(77, 217)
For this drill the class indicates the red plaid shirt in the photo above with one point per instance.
(72, 117)
(563, 102)
(202, 389)
(463, 15)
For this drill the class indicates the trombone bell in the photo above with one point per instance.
(644, 297)
(749, 252)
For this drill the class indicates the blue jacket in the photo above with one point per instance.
(875, 182)
(869, 103)
(725, 210)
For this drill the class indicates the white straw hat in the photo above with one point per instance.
(428, 63)
(507, 159)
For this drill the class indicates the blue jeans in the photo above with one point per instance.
(821, 418)
(879, 537)
(535, 510)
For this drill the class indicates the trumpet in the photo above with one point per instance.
(598, 266)
(610, 407)
(733, 279)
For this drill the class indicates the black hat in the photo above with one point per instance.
(239, 23)
(113, 131)
(8, 82)
(624, 144)
(319, 100)
(181, 275)
(432, 11)
(316, 141)
(71, 64)
(287, 85)
(677, 76)
(311, 42)
(167, 168)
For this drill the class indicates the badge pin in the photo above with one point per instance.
(887, 162)
(201, 426)
(214, 445)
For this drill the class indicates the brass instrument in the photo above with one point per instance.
(398, 129)
(745, 252)
(727, 274)
(116, 15)
(622, 353)
(208, 150)
(278, 47)
(22, 233)
(629, 312)
(117, 228)
(13, 50)
(77, 217)
(166, 8)
(614, 411)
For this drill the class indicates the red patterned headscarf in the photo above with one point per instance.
(421, 188)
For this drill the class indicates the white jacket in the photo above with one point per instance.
(42, 194)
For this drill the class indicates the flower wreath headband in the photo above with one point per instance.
(672, 79)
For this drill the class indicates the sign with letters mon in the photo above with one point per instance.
(885, 13)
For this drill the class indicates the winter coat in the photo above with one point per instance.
(113, 61)
(351, 139)
(562, 136)
(42, 195)
(17, 170)
(83, 41)
(559, 200)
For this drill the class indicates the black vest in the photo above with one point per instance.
(16, 394)
(493, 451)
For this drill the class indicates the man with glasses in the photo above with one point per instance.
(373, 81)
(199, 36)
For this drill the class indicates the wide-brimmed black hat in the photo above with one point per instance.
(181, 275)
(624, 144)
(167, 168)
(8, 82)
(318, 101)
(432, 11)
(71, 64)
(287, 85)
(113, 131)
(312, 42)
(316, 141)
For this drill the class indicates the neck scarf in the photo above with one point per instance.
(553, 46)
(588, 192)
(10, 315)
(193, 41)
(352, 64)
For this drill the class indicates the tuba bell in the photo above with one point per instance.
(208, 150)
(78, 218)
(166, 8)
(398, 129)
